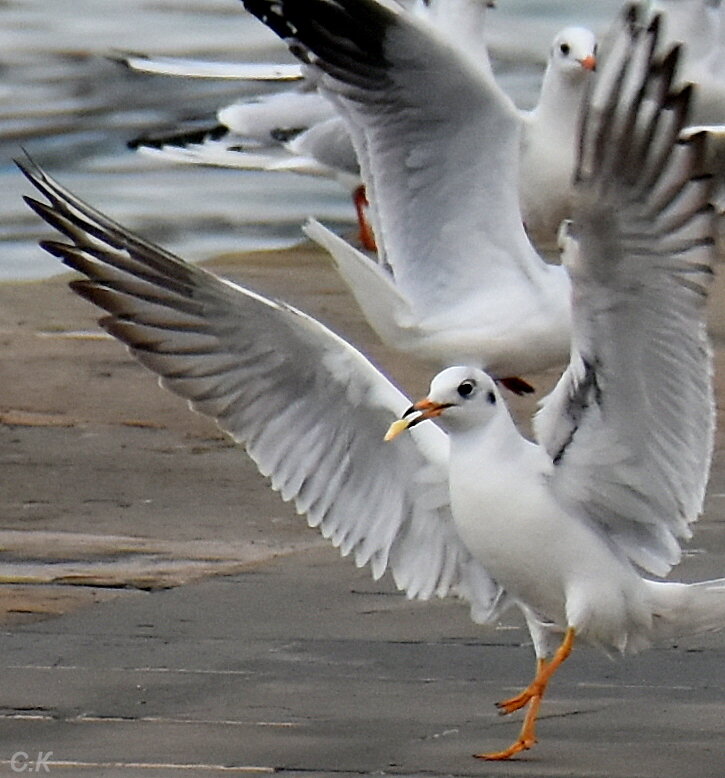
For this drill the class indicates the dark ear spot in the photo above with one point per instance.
(491, 397)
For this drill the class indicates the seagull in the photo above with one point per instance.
(251, 133)
(456, 279)
(568, 528)
(507, 310)
(549, 133)
(572, 525)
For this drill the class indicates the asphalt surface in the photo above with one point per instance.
(164, 614)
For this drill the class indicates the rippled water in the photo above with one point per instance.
(74, 110)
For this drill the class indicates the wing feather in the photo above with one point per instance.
(630, 425)
(309, 409)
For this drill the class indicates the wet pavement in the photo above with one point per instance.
(205, 631)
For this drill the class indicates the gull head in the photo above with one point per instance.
(462, 397)
(574, 52)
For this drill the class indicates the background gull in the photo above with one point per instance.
(438, 143)
(625, 439)
(294, 130)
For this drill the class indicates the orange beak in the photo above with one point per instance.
(420, 411)
(589, 63)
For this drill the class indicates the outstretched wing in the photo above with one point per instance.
(630, 425)
(437, 141)
(310, 409)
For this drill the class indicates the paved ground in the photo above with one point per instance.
(274, 654)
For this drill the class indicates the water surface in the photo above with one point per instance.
(74, 110)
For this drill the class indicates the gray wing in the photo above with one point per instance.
(437, 141)
(630, 425)
(329, 143)
(310, 410)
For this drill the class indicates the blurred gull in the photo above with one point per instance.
(565, 528)
(254, 132)
(456, 278)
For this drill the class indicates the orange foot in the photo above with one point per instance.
(531, 696)
(515, 748)
(534, 689)
(526, 739)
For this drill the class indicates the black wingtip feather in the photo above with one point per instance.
(670, 62)
(55, 248)
(631, 15)
(346, 36)
(50, 215)
(655, 26)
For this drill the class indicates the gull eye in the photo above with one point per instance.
(565, 48)
(491, 397)
(465, 388)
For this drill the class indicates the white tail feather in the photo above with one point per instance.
(685, 609)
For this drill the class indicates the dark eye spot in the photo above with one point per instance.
(465, 388)
(565, 49)
(491, 397)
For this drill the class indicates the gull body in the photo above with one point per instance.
(439, 144)
(562, 571)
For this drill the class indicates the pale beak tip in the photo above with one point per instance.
(396, 428)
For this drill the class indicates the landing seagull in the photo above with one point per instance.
(565, 529)
(438, 141)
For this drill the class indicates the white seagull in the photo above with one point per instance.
(439, 143)
(566, 528)
(253, 132)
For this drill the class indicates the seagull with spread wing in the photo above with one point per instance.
(568, 529)
(439, 146)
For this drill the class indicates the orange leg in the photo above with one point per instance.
(522, 698)
(532, 695)
(367, 238)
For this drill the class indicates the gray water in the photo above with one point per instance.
(74, 110)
